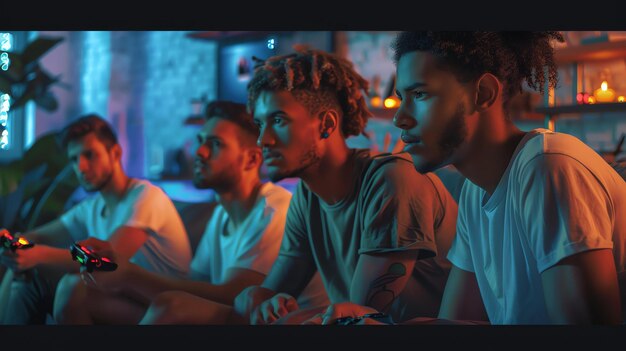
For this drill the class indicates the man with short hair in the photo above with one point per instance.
(134, 216)
(238, 248)
(541, 235)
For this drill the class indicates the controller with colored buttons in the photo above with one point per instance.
(13, 242)
(90, 260)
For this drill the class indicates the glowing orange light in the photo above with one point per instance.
(376, 101)
(390, 102)
(22, 241)
(620, 98)
(604, 94)
(591, 100)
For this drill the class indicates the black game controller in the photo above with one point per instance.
(90, 260)
(13, 242)
(381, 317)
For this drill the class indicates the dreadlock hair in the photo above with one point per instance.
(511, 56)
(317, 79)
(86, 124)
(233, 112)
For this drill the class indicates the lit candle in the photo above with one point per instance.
(620, 98)
(604, 94)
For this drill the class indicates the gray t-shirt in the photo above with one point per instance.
(390, 208)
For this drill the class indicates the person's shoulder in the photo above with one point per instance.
(387, 164)
(399, 168)
(554, 152)
(275, 195)
(545, 142)
(139, 185)
(143, 189)
(88, 201)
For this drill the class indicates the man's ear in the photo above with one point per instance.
(329, 122)
(116, 152)
(254, 158)
(489, 89)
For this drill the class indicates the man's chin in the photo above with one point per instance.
(423, 166)
(276, 175)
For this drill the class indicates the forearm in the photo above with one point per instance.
(289, 275)
(52, 234)
(58, 259)
(145, 286)
(380, 279)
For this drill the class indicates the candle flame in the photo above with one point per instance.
(604, 86)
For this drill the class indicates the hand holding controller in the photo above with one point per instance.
(13, 242)
(90, 260)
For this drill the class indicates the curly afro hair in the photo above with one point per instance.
(513, 57)
(317, 79)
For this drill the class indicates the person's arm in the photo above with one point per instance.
(461, 304)
(461, 297)
(145, 285)
(290, 273)
(286, 280)
(126, 240)
(583, 289)
(573, 243)
(52, 241)
(398, 229)
(380, 278)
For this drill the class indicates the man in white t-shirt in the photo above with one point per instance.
(134, 216)
(541, 231)
(239, 246)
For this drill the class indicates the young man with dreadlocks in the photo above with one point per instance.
(541, 235)
(375, 230)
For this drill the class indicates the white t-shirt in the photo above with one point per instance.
(253, 245)
(145, 206)
(556, 198)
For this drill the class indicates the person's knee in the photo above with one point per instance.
(165, 309)
(68, 297)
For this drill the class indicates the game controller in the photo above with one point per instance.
(90, 260)
(13, 242)
(381, 317)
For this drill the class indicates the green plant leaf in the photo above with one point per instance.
(16, 67)
(28, 94)
(5, 84)
(47, 101)
(38, 48)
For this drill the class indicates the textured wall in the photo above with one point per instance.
(142, 82)
(178, 70)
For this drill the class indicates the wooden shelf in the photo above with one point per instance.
(608, 50)
(593, 108)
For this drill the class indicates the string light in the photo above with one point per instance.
(271, 43)
(6, 43)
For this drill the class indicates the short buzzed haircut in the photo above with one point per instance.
(91, 123)
(233, 112)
